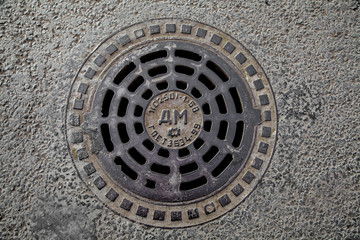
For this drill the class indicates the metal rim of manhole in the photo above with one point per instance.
(171, 122)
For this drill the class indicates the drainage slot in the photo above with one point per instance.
(184, 152)
(136, 83)
(163, 153)
(184, 70)
(150, 184)
(106, 103)
(157, 71)
(235, 96)
(152, 56)
(193, 184)
(160, 168)
(122, 107)
(162, 85)
(138, 128)
(238, 134)
(181, 85)
(147, 94)
(196, 93)
(217, 70)
(209, 155)
(207, 82)
(223, 130)
(206, 109)
(223, 165)
(105, 132)
(187, 54)
(124, 72)
(198, 143)
(207, 125)
(124, 137)
(125, 168)
(148, 144)
(138, 111)
(140, 159)
(221, 104)
(188, 168)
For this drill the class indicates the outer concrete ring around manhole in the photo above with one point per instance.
(87, 137)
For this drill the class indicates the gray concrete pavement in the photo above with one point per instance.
(310, 52)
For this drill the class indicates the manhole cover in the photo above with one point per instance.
(171, 123)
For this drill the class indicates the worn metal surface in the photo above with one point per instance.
(120, 96)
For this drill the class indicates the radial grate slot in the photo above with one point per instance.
(125, 168)
(223, 130)
(217, 70)
(147, 94)
(207, 82)
(163, 153)
(138, 111)
(158, 70)
(124, 102)
(138, 128)
(148, 144)
(136, 84)
(158, 168)
(206, 109)
(106, 103)
(162, 85)
(193, 166)
(184, 152)
(187, 54)
(105, 132)
(221, 104)
(238, 134)
(235, 96)
(184, 70)
(150, 184)
(223, 165)
(184, 186)
(138, 157)
(198, 143)
(124, 72)
(152, 56)
(196, 93)
(181, 85)
(207, 125)
(123, 134)
(210, 154)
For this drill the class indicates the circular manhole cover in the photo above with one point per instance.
(171, 123)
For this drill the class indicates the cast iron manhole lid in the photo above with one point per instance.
(171, 123)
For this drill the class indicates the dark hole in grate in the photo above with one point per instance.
(235, 96)
(207, 125)
(187, 54)
(158, 70)
(188, 168)
(138, 128)
(138, 111)
(184, 70)
(223, 130)
(163, 153)
(162, 85)
(124, 72)
(122, 107)
(184, 152)
(138, 157)
(193, 184)
(222, 166)
(152, 56)
(217, 70)
(198, 143)
(124, 137)
(210, 154)
(206, 109)
(148, 144)
(196, 93)
(105, 132)
(158, 168)
(147, 94)
(207, 82)
(150, 183)
(221, 103)
(181, 85)
(136, 84)
(106, 103)
(125, 168)
(238, 134)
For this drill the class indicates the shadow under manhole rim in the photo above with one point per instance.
(171, 123)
